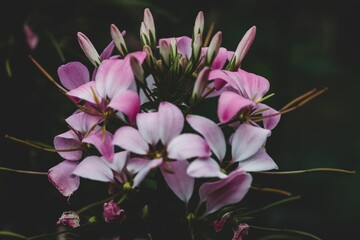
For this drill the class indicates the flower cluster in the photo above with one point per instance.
(137, 122)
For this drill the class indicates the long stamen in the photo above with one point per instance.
(298, 99)
(265, 98)
(40, 147)
(311, 170)
(209, 33)
(22, 171)
(274, 190)
(47, 74)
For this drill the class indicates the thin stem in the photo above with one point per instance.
(97, 203)
(47, 235)
(311, 170)
(274, 190)
(12, 234)
(40, 147)
(47, 74)
(270, 205)
(287, 231)
(22, 171)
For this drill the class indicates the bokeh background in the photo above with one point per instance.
(299, 45)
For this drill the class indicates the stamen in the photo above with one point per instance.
(47, 74)
(265, 98)
(298, 99)
(96, 99)
(40, 147)
(274, 190)
(209, 33)
(311, 170)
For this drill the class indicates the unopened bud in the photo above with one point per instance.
(89, 49)
(112, 212)
(149, 22)
(219, 224)
(137, 70)
(200, 83)
(69, 218)
(213, 48)
(243, 47)
(149, 55)
(196, 47)
(144, 34)
(199, 24)
(118, 39)
(164, 51)
(173, 47)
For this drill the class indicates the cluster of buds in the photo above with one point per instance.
(139, 102)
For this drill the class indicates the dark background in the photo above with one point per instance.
(299, 45)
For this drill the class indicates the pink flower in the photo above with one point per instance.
(70, 219)
(240, 231)
(158, 143)
(219, 224)
(32, 39)
(112, 212)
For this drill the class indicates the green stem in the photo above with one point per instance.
(287, 231)
(98, 203)
(311, 170)
(12, 234)
(22, 171)
(270, 206)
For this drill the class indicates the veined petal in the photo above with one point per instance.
(260, 161)
(73, 75)
(179, 181)
(187, 146)
(230, 104)
(102, 142)
(171, 121)
(254, 86)
(85, 92)
(134, 165)
(130, 139)
(82, 122)
(68, 140)
(94, 168)
(62, 177)
(147, 124)
(211, 133)
(119, 161)
(224, 192)
(247, 141)
(145, 170)
(207, 167)
(220, 59)
(127, 102)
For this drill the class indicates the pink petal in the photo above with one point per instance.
(171, 121)
(127, 102)
(106, 54)
(244, 45)
(94, 168)
(72, 75)
(230, 104)
(207, 167)
(119, 161)
(220, 59)
(247, 141)
(187, 146)
(179, 181)
(31, 38)
(225, 191)
(102, 142)
(134, 165)
(211, 132)
(254, 86)
(269, 122)
(260, 161)
(68, 140)
(130, 139)
(82, 122)
(85, 92)
(183, 45)
(62, 177)
(147, 124)
(145, 170)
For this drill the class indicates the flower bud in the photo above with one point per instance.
(89, 49)
(240, 231)
(196, 47)
(118, 39)
(69, 218)
(31, 38)
(199, 24)
(164, 51)
(200, 83)
(213, 48)
(149, 22)
(144, 34)
(137, 69)
(149, 55)
(113, 212)
(219, 224)
(243, 47)
(173, 47)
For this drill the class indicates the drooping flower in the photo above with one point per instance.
(240, 231)
(69, 218)
(112, 212)
(158, 142)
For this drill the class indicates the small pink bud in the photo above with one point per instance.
(219, 224)
(196, 47)
(69, 218)
(31, 38)
(201, 83)
(213, 48)
(118, 39)
(89, 49)
(144, 34)
(240, 231)
(244, 46)
(164, 51)
(113, 212)
(199, 24)
(149, 22)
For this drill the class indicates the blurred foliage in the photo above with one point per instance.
(299, 45)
